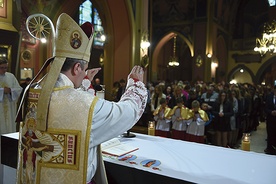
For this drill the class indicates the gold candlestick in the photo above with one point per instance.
(151, 128)
(246, 142)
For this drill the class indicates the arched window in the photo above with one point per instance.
(87, 13)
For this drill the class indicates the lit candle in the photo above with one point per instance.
(246, 142)
(246, 145)
(151, 128)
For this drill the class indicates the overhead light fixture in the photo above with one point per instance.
(263, 83)
(209, 55)
(101, 59)
(3, 55)
(43, 40)
(233, 81)
(103, 37)
(214, 64)
(173, 61)
(145, 41)
(144, 45)
(268, 41)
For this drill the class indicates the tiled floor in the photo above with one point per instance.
(258, 139)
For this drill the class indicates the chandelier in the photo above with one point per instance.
(173, 61)
(268, 42)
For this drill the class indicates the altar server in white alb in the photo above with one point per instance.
(161, 116)
(10, 91)
(179, 116)
(70, 123)
(196, 123)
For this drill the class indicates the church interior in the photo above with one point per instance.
(199, 41)
(214, 40)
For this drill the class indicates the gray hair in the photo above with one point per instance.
(70, 62)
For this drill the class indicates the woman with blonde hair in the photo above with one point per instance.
(156, 96)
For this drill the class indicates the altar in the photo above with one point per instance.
(162, 160)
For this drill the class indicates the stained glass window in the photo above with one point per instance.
(89, 14)
(99, 31)
(85, 12)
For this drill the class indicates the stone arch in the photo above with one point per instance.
(268, 67)
(237, 68)
(158, 48)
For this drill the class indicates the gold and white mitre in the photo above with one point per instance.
(71, 41)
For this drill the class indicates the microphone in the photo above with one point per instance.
(129, 135)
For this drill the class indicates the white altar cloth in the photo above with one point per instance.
(193, 162)
(199, 163)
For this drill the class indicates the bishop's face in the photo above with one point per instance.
(79, 73)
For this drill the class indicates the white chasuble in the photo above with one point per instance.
(60, 154)
(8, 102)
(78, 122)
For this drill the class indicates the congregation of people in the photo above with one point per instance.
(209, 113)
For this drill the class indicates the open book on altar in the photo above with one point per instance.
(117, 148)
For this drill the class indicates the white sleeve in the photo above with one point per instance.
(151, 103)
(173, 118)
(189, 121)
(156, 117)
(235, 106)
(200, 121)
(16, 89)
(15, 93)
(111, 119)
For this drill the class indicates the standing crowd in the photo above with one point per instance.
(211, 113)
